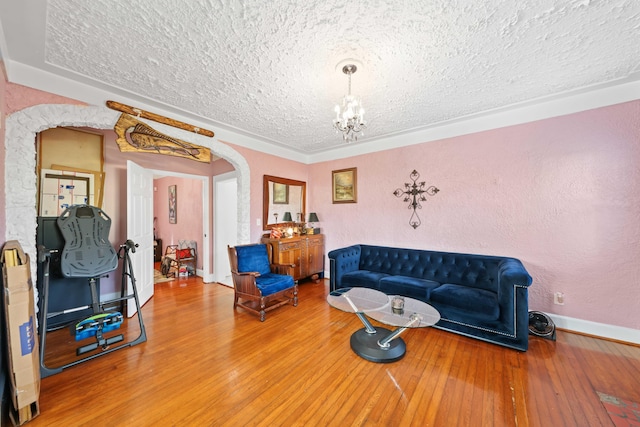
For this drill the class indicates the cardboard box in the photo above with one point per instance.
(22, 333)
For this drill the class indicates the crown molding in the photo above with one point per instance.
(96, 93)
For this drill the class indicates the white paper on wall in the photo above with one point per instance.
(61, 189)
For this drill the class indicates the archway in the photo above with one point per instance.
(20, 159)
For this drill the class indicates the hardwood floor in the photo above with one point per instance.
(204, 364)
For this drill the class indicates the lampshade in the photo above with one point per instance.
(287, 217)
(313, 217)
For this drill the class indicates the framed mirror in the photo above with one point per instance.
(282, 195)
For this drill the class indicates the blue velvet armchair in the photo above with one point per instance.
(259, 285)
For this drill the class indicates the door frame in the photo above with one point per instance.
(219, 248)
(203, 252)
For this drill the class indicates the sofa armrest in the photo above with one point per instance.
(513, 296)
(511, 270)
(342, 261)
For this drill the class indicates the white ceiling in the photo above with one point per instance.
(269, 69)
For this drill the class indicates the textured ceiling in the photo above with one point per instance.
(269, 68)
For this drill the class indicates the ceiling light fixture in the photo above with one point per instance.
(350, 115)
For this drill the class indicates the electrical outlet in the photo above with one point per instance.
(558, 298)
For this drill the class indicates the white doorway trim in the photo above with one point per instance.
(203, 252)
(221, 223)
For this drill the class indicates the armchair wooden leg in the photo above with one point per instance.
(263, 313)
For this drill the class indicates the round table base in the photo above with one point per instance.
(366, 346)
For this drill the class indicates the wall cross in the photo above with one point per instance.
(414, 193)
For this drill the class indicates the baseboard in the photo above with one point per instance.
(603, 330)
(206, 278)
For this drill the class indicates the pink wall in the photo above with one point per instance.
(188, 224)
(20, 97)
(562, 195)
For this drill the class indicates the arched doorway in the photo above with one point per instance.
(20, 174)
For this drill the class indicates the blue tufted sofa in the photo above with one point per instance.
(484, 297)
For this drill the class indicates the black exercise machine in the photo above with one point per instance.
(88, 254)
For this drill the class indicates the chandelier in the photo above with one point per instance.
(350, 114)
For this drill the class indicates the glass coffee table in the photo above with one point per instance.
(378, 344)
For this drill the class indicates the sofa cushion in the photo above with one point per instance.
(483, 304)
(362, 278)
(183, 253)
(253, 258)
(408, 286)
(475, 271)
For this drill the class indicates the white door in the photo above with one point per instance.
(140, 230)
(225, 219)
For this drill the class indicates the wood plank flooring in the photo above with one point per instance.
(205, 364)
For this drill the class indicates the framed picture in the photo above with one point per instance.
(280, 194)
(345, 185)
(173, 204)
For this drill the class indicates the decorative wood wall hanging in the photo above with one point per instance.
(136, 136)
(414, 194)
(157, 118)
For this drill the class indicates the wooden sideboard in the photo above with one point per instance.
(306, 252)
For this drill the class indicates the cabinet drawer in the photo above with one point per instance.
(289, 245)
(315, 242)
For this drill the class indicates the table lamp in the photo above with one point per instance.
(313, 218)
(287, 218)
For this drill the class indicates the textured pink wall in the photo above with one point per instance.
(20, 97)
(562, 195)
